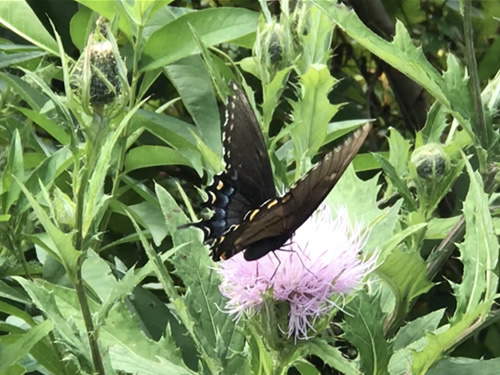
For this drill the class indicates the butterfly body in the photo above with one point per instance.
(248, 216)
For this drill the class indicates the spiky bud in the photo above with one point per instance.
(105, 82)
(430, 162)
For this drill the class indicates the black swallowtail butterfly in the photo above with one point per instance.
(247, 213)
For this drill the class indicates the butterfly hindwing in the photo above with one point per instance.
(272, 224)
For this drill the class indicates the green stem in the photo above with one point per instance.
(474, 84)
(92, 333)
(123, 139)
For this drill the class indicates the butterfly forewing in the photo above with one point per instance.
(245, 150)
(248, 179)
(270, 226)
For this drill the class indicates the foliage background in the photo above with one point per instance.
(89, 246)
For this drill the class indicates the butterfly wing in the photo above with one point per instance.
(245, 150)
(248, 178)
(268, 227)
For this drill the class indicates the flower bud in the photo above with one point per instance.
(430, 162)
(105, 82)
(100, 74)
(273, 49)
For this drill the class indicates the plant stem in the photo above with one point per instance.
(478, 123)
(92, 333)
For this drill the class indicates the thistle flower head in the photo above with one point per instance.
(321, 261)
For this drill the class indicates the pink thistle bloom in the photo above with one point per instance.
(319, 262)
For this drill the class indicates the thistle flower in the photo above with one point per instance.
(319, 263)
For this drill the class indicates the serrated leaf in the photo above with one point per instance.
(380, 223)
(435, 124)
(312, 112)
(46, 302)
(364, 328)
(398, 183)
(317, 41)
(45, 174)
(330, 355)
(151, 217)
(95, 198)
(399, 152)
(478, 252)
(215, 329)
(403, 55)
(406, 274)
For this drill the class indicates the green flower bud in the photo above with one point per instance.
(105, 82)
(430, 162)
(99, 76)
(273, 49)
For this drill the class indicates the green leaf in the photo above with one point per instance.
(439, 228)
(406, 274)
(110, 9)
(312, 112)
(14, 294)
(216, 331)
(43, 352)
(364, 328)
(478, 252)
(61, 306)
(23, 345)
(63, 242)
(151, 156)
(316, 41)
(416, 329)
(399, 152)
(435, 124)
(338, 129)
(152, 219)
(330, 355)
(380, 223)
(192, 81)
(50, 126)
(271, 93)
(32, 96)
(14, 311)
(214, 25)
(128, 361)
(17, 16)
(398, 183)
(14, 168)
(465, 366)
(402, 54)
(170, 130)
(45, 175)
(95, 199)
(18, 58)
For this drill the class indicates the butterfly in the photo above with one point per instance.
(248, 214)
